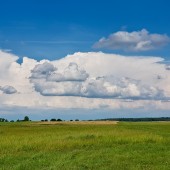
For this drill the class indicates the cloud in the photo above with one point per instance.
(49, 80)
(6, 60)
(49, 72)
(100, 87)
(167, 67)
(132, 41)
(86, 80)
(46, 88)
(8, 89)
(71, 73)
(42, 70)
(123, 88)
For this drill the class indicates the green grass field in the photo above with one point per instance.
(31, 146)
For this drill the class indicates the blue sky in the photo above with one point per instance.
(54, 28)
(118, 63)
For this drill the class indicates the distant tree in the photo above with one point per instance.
(18, 120)
(59, 120)
(2, 120)
(26, 118)
(42, 120)
(12, 121)
(76, 119)
(46, 120)
(53, 120)
(71, 120)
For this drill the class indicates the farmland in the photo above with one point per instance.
(84, 145)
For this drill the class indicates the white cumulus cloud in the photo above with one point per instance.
(133, 41)
(49, 72)
(85, 80)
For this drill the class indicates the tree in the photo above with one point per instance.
(59, 120)
(26, 118)
(2, 120)
(53, 119)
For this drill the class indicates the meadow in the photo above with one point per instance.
(87, 145)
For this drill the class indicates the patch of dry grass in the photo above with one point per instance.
(79, 122)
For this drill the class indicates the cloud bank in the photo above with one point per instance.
(132, 41)
(85, 80)
(94, 87)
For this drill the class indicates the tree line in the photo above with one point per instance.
(26, 119)
(137, 119)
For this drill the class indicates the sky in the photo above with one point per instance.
(84, 59)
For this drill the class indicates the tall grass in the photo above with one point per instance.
(29, 146)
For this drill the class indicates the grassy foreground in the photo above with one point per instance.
(31, 146)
